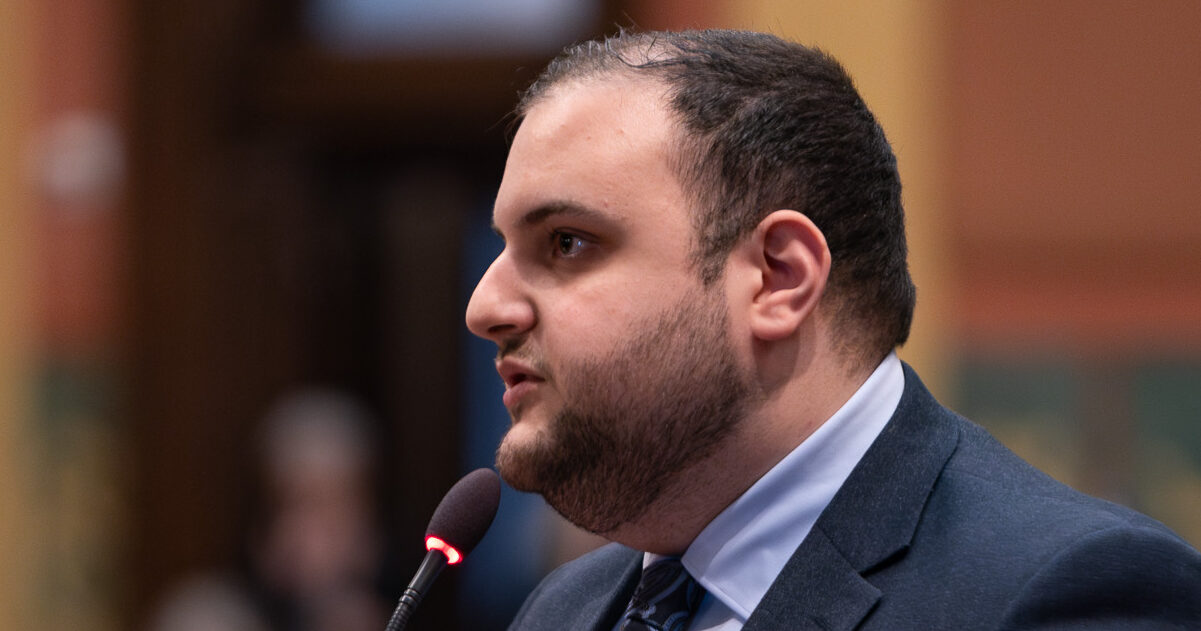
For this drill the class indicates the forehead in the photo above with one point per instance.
(603, 144)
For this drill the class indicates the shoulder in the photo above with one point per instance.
(992, 538)
(1052, 557)
(987, 496)
(581, 592)
(990, 487)
(1134, 575)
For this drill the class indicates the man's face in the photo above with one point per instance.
(616, 359)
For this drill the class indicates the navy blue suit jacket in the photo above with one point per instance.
(938, 527)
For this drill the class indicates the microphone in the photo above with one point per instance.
(458, 524)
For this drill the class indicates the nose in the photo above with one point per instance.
(499, 309)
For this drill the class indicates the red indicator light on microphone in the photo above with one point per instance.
(452, 555)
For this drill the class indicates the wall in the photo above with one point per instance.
(17, 515)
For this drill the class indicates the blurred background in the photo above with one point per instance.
(237, 238)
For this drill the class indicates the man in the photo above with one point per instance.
(703, 282)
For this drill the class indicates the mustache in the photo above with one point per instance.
(510, 347)
(519, 350)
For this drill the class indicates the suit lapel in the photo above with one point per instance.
(602, 611)
(870, 522)
(825, 592)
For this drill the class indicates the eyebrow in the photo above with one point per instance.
(558, 209)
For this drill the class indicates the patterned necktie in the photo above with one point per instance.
(664, 600)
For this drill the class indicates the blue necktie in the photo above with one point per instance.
(664, 600)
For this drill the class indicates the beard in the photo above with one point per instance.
(635, 418)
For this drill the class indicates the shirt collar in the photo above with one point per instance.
(739, 554)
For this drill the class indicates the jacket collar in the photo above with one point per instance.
(871, 520)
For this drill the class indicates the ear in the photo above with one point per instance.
(792, 264)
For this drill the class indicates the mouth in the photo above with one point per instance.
(520, 380)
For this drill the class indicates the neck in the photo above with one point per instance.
(689, 502)
(782, 421)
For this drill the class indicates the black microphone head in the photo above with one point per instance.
(466, 511)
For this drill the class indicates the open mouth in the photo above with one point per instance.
(520, 380)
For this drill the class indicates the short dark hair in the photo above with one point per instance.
(769, 124)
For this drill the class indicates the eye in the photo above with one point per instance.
(567, 245)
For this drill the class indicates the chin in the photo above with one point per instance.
(525, 431)
(518, 457)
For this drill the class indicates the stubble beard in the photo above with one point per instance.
(635, 419)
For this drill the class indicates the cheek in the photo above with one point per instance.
(580, 333)
(593, 314)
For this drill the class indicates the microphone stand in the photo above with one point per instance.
(430, 567)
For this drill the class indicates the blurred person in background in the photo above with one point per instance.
(318, 553)
(208, 603)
